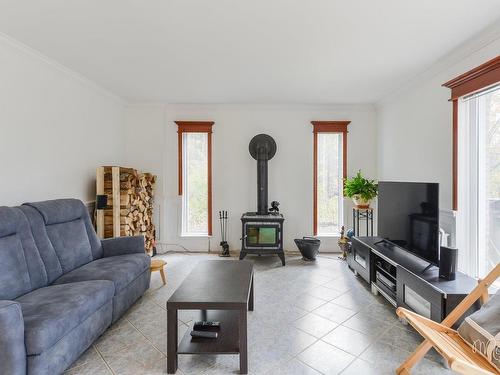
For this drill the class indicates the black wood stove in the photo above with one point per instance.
(262, 231)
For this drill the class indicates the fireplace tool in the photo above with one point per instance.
(223, 233)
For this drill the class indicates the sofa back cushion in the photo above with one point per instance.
(64, 234)
(482, 330)
(21, 268)
(71, 244)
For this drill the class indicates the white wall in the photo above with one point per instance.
(415, 123)
(151, 140)
(55, 128)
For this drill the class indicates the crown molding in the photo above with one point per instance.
(476, 43)
(14, 43)
(362, 107)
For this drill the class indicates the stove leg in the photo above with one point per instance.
(242, 255)
(282, 257)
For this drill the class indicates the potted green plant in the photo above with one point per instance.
(361, 190)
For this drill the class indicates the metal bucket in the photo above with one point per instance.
(309, 247)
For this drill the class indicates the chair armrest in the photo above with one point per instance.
(12, 349)
(122, 245)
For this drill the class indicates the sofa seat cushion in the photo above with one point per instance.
(120, 269)
(52, 312)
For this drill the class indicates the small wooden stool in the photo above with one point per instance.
(157, 265)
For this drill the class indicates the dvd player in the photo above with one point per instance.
(385, 281)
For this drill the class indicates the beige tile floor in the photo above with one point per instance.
(309, 318)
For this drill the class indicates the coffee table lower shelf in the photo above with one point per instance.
(227, 341)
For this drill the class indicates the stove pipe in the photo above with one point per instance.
(262, 148)
(262, 181)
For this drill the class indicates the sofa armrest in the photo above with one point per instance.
(12, 349)
(122, 245)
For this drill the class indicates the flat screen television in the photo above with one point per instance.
(408, 217)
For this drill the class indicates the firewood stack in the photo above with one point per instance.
(134, 214)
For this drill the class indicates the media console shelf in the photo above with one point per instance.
(399, 276)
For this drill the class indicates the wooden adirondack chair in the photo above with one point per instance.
(459, 355)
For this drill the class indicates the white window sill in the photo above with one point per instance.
(184, 235)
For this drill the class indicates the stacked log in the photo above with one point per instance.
(135, 212)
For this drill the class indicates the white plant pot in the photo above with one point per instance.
(360, 202)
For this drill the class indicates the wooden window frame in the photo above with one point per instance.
(326, 127)
(474, 80)
(196, 127)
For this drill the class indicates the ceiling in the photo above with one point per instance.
(258, 51)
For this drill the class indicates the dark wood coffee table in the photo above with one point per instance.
(223, 291)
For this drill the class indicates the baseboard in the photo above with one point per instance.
(236, 253)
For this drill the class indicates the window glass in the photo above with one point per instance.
(478, 219)
(195, 184)
(329, 183)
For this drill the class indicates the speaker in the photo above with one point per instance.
(448, 263)
(101, 202)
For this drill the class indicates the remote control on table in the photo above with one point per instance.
(204, 334)
(205, 325)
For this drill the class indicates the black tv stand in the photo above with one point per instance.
(427, 268)
(384, 241)
(406, 280)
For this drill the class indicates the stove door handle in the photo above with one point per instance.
(245, 236)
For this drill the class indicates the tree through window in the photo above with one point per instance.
(330, 169)
(195, 177)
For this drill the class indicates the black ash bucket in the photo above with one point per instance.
(308, 246)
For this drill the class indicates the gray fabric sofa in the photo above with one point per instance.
(60, 286)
